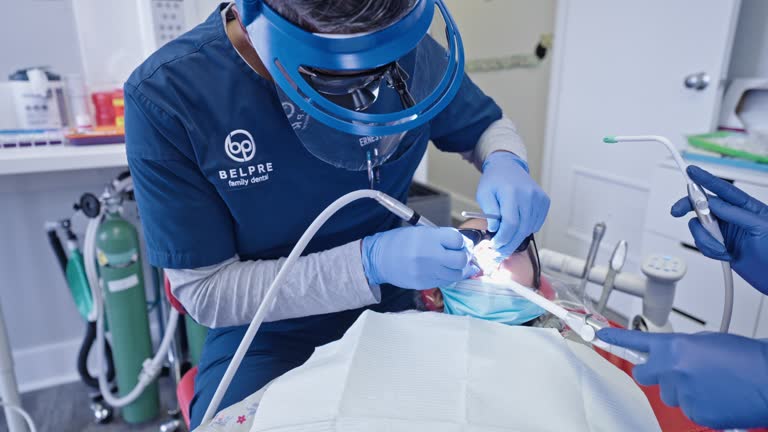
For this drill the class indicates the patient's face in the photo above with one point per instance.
(517, 267)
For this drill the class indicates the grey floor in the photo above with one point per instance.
(65, 408)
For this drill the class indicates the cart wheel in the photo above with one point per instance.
(102, 414)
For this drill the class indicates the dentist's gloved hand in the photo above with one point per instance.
(417, 257)
(718, 380)
(508, 190)
(743, 221)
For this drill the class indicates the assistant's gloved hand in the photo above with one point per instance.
(718, 380)
(506, 189)
(743, 221)
(417, 257)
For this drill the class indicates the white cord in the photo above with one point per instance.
(23, 414)
(269, 297)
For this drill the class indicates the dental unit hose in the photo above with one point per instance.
(700, 204)
(396, 207)
(151, 366)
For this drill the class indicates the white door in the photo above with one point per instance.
(619, 68)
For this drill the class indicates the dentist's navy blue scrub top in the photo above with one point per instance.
(202, 201)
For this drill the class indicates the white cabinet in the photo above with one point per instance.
(699, 296)
(619, 68)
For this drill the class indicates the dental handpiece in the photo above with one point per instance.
(402, 211)
(597, 237)
(700, 204)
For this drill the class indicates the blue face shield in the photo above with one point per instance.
(353, 98)
(489, 301)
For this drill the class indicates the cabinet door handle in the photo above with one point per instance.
(697, 81)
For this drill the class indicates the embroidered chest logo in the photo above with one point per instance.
(240, 147)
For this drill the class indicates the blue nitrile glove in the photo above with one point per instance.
(417, 257)
(506, 189)
(719, 380)
(743, 221)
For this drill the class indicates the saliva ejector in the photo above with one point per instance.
(700, 205)
(583, 325)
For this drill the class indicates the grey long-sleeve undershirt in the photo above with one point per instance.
(229, 293)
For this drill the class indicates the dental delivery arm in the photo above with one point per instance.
(229, 293)
(501, 135)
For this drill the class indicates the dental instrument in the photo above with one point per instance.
(477, 215)
(396, 207)
(597, 237)
(618, 258)
(573, 320)
(700, 204)
(632, 356)
(583, 325)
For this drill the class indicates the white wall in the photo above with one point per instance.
(496, 28)
(750, 48)
(38, 33)
(44, 328)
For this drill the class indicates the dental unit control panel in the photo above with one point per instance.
(664, 268)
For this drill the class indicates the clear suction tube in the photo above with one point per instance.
(700, 205)
(391, 204)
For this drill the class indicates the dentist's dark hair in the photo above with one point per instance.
(341, 16)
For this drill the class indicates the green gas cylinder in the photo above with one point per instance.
(78, 282)
(125, 305)
(196, 335)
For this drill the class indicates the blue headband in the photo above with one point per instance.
(285, 48)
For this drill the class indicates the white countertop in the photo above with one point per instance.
(61, 158)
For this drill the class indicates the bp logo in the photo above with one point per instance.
(239, 146)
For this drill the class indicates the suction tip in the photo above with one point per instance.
(610, 140)
(587, 333)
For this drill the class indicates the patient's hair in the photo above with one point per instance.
(341, 16)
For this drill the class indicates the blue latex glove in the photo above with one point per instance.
(743, 221)
(417, 257)
(506, 189)
(718, 380)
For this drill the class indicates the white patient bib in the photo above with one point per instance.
(433, 372)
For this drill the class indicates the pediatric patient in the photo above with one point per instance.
(479, 297)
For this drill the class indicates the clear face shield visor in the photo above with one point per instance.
(352, 99)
